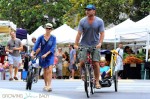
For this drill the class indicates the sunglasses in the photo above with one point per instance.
(48, 28)
(88, 9)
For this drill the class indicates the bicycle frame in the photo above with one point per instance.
(31, 76)
(112, 64)
(89, 72)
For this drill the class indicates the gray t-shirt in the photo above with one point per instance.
(14, 43)
(90, 32)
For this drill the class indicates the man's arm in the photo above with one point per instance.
(101, 37)
(100, 40)
(7, 49)
(19, 48)
(77, 38)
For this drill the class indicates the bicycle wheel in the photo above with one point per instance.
(29, 81)
(92, 87)
(116, 81)
(87, 83)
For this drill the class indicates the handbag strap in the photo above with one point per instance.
(44, 45)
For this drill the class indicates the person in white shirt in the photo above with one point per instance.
(119, 60)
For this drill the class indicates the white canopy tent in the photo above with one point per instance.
(111, 35)
(8, 24)
(65, 34)
(138, 32)
(27, 41)
(38, 32)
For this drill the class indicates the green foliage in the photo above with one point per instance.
(29, 14)
(108, 10)
(139, 9)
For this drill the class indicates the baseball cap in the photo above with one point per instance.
(90, 6)
(48, 25)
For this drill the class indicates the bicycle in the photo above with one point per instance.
(89, 79)
(32, 75)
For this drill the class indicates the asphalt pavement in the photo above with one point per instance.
(74, 89)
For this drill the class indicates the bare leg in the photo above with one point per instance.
(45, 76)
(15, 71)
(81, 70)
(81, 66)
(49, 77)
(11, 70)
(72, 73)
(96, 72)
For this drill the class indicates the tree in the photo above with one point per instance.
(29, 14)
(139, 9)
(109, 11)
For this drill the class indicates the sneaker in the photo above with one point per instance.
(10, 79)
(15, 78)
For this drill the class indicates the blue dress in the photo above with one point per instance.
(45, 47)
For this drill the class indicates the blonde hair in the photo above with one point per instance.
(102, 59)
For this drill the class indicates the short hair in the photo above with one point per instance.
(72, 46)
(33, 38)
(120, 43)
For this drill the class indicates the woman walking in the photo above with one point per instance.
(47, 43)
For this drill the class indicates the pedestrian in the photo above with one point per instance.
(47, 42)
(72, 66)
(119, 60)
(60, 63)
(14, 46)
(92, 29)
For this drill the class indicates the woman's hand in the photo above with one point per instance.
(44, 56)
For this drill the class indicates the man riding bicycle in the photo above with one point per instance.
(91, 28)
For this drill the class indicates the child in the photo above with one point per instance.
(104, 70)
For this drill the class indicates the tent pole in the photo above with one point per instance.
(147, 47)
(115, 42)
(27, 44)
(148, 37)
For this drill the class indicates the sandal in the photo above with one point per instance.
(49, 89)
(98, 86)
(45, 88)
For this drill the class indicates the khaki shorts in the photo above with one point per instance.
(83, 55)
(15, 61)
